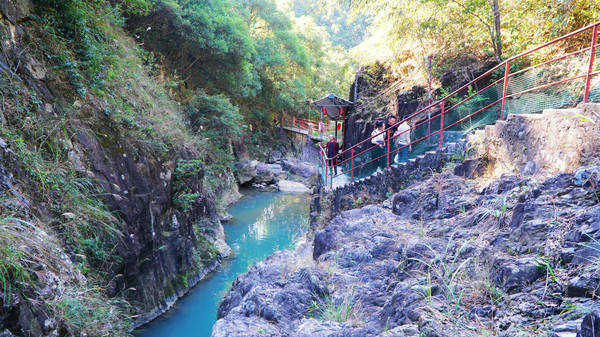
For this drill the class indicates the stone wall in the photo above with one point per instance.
(558, 140)
(381, 185)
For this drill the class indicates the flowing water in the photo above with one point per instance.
(263, 222)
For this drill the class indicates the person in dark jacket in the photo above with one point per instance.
(390, 124)
(333, 148)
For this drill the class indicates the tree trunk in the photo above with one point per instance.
(497, 39)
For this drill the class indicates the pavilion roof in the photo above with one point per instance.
(333, 104)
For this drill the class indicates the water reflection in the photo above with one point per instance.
(260, 229)
(263, 223)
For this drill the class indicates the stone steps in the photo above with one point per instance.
(413, 162)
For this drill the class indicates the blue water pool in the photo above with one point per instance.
(263, 222)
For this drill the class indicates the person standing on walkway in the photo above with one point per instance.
(379, 140)
(391, 130)
(390, 125)
(333, 148)
(402, 138)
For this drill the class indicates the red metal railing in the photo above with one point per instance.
(463, 98)
(307, 124)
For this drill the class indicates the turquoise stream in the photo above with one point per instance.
(263, 222)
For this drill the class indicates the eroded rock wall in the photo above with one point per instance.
(171, 227)
(558, 140)
(166, 233)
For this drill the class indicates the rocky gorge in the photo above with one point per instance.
(447, 256)
(500, 241)
(108, 231)
(109, 210)
(128, 127)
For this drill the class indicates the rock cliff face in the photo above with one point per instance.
(171, 227)
(445, 257)
(151, 231)
(557, 140)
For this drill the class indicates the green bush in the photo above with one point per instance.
(214, 115)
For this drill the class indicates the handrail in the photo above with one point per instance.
(307, 124)
(466, 86)
(447, 99)
(477, 79)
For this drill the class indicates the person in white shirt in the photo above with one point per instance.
(402, 139)
(379, 140)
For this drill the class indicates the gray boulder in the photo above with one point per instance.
(274, 157)
(253, 171)
(262, 296)
(298, 167)
(590, 327)
(245, 171)
(324, 241)
(586, 175)
(585, 284)
(292, 187)
(269, 173)
(515, 274)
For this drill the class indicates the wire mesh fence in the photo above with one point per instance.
(548, 77)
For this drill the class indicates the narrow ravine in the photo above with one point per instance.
(263, 222)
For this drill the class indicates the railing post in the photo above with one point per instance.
(588, 78)
(352, 166)
(388, 148)
(429, 115)
(294, 121)
(505, 88)
(331, 180)
(321, 171)
(325, 170)
(442, 124)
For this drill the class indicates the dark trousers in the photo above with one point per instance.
(403, 153)
(331, 163)
(379, 151)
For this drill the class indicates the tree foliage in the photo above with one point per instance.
(344, 28)
(454, 29)
(263, 59)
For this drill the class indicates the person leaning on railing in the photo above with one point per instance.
(379, 140)
(402, 139)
